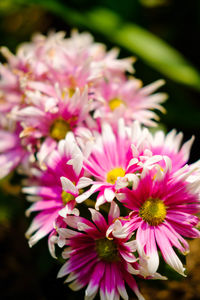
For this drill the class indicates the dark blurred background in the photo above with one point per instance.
(31, 273)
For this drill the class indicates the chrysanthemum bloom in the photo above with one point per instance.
(59, 113)
(11, 94)
(108, 159)
(162, 212)
(12, 153)
(61, 80)
(161, 144)
(96, 261)
(127, 99)
(116, 160)
(52, 78)
(71, 62)
(74, 61)
(50, 59)
(54, 190)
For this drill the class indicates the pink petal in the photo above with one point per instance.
(167, 251)
(146, 243)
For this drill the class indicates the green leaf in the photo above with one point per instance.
(151, 49)
(158, 54)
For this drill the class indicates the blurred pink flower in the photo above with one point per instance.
(54, 189)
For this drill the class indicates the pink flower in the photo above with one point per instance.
(118, 158)
(170, 145)
(10, 94)
(127, 99)
(54, 190)
(75, 61)
(12, 153)
(59, 113)
(109, 157)
(61, 81)
(53, 78)
(160, 147)
(162, 211)
(71, 62)
(96, 261)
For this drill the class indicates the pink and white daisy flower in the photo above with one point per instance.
(161, 144)
(170, 145)
(54, 190)
(127, 99)
(108, 158)
(59, 113)
(96, 261)
(73, 62)
(162, 212)
(116, 160)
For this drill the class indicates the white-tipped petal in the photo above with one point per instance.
(84, 182)
(109, 195)
(67, 185)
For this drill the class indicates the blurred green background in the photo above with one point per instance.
(164, 36)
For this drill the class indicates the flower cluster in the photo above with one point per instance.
(103, 187)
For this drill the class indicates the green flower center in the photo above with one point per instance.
(59, 129)
(66, 197)
(106, 250)
(71, 91)
(153, 211)
(113, 174)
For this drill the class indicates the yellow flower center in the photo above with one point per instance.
(115, 102)
(59, 129)
(66, 197)
(71, 91)
(106, 250)
(153, 211)
(113, 174)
